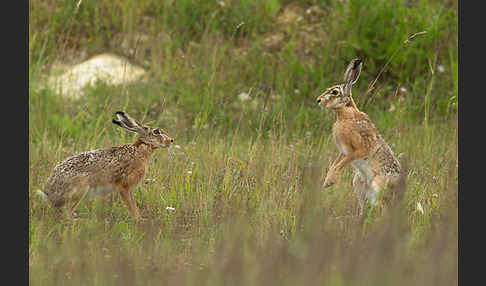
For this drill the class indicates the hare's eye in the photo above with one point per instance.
(156, 132)
(334, 92)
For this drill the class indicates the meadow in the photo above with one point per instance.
(241, 201)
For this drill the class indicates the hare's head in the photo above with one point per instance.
(340, 95)
(153, 136)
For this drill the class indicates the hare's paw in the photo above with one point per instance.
(328, 183)
(330, 179)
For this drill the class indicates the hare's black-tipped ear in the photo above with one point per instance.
(117, 123)
(122, 125)
(351, 74)
(127, 122)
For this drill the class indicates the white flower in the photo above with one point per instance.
(244, 96)
(148, 181)
(170, 208)
(440, 68)
(420, 208)
(189, 172)
(177, 146)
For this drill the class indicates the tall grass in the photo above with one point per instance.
(251, 210)
(246, 184)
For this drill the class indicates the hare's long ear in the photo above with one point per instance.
(351, 74)
(127, 122)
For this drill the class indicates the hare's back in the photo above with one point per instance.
(84, 162)
(385, 160)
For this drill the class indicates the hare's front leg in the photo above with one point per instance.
(127, 198)
(339, 158)
(331, 176)
(346, 159)
(110, 198)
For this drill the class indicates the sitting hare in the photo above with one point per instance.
(359, 143)
(105, 171)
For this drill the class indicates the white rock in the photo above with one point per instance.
(109, 68)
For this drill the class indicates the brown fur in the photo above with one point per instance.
(105, 171)
(359, 143)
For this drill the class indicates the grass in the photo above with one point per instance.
(246, 184)
(268, 186)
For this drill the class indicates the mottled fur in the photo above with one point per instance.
(359, 143)
(106, 171)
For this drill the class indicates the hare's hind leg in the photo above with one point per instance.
(360, 188)
(127, 198)
(393, 189)
(378, 184)
(73, 201)
(384, 190)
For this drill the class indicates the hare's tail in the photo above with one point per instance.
(43, 196)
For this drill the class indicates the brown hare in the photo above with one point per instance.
(375, 166)
(105, 171)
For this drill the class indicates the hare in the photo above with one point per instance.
(105, 171)
(359, 143)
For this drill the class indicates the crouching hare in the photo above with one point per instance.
(105, 171)
(375, 166)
